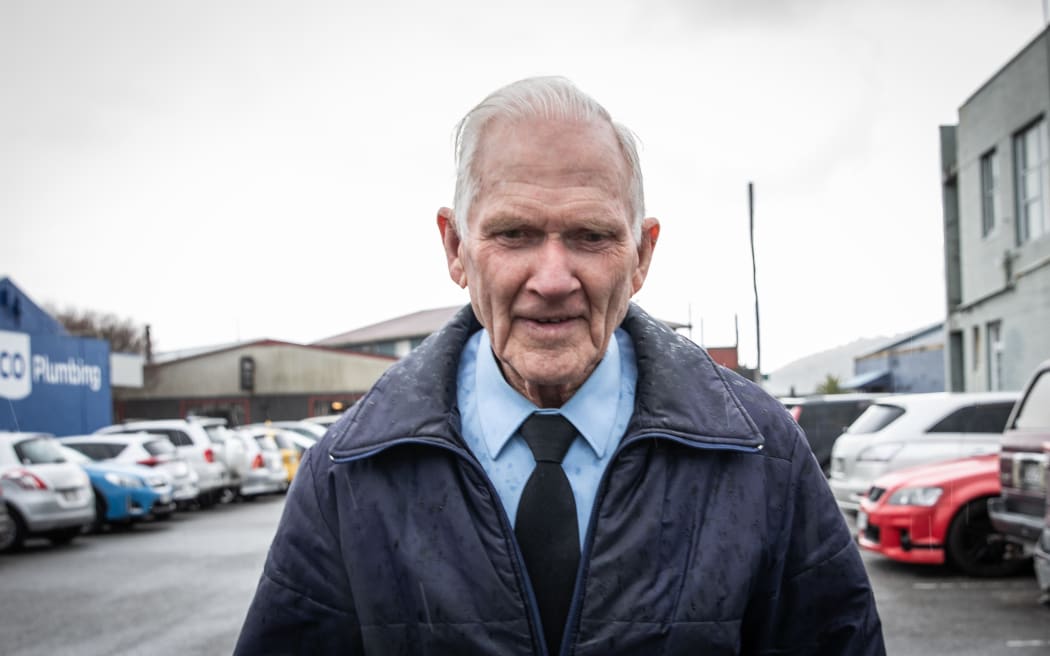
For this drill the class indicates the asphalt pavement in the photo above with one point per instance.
(183, 587)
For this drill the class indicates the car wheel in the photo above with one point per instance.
(63, 535)
(976, 548)
(18, 535)
(207, 499)
(228, 495)
(100, 513)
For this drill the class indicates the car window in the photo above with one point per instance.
(177, 437)
(159, 448)
(216, 433)
(88, 450)
(875, 418)
(1035, 408)
(956, 422)
(266, 442)
(990, 417)
(39, 450)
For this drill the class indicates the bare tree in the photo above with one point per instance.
(123, 335)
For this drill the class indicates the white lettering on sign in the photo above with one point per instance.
(70, 372)
(15, 382)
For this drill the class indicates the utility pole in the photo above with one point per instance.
(754, 280)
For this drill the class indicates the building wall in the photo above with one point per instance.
(915, 366)
(279, 370)
(1001, 280)
(240, 409)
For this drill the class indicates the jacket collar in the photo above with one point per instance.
(681, 394)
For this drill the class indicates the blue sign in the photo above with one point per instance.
(54, 384)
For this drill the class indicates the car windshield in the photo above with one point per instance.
(39, 450)
(875, 418)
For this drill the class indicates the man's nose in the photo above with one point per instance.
(554, 271)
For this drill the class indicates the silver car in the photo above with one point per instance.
(267, 474)
(44, 495)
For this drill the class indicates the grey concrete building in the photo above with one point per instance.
(996, 194)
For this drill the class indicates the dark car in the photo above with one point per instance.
(824, 418)
(1020, 510)
(1042, 548)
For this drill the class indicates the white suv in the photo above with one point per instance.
(192, 443)
(915, 429)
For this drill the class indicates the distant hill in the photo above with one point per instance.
(802, 376)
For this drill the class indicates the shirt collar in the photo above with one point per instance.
(501, 408)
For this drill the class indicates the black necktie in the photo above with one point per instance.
(546, 525)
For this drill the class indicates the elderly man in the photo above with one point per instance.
(555, 472)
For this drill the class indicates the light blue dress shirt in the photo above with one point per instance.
(491, 411)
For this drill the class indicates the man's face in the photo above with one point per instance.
(549, 260)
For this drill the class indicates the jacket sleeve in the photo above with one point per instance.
(819, 601)
(303, 603)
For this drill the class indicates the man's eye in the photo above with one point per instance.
(512, 234)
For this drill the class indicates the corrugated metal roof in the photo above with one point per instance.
(417, 324)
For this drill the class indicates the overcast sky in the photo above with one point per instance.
(242, 169)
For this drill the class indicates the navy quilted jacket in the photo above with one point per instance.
(713, 531)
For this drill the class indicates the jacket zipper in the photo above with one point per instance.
(574, 606)
(534, 608)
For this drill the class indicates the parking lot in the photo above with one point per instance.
(183, 586)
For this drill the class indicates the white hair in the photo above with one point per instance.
(545, 98)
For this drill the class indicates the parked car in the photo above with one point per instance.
(914, 429)
(324, 420)
(289, 455)
(1042, 547)
(938, 513)
(309, 429)
(825, 417)
(45, 495)
(192, 443)
(1021, 507)
(267, 474)
(125, 493)
(147, 449)
(228, 451)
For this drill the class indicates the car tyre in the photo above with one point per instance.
(99, 524)
(18, 536)
(63, 535)
(975, 547)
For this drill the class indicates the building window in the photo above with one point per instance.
(995, 355)
(976, 348)
(1030, 171)
(989, 184)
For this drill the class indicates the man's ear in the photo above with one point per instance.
(450, 240)
(650, 234)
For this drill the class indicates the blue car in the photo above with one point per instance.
(125, 493)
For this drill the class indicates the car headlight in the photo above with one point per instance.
(157, 481)
(123, 481)
(880, 452)
(915, 496)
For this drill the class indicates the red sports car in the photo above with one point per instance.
(938, 513)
